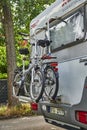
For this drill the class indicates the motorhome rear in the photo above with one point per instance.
(68, 33)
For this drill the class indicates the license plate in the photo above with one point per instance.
(58, 111)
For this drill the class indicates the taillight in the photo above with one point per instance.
(34, 106)
(55, 66)
(81, 116)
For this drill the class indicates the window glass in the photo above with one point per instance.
(67, 31)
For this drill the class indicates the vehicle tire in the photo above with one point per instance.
(51, 83)
(37, 86)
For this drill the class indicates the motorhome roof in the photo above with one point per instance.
(58, 9)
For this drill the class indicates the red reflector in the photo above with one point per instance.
(54, 64)
(34, 106)
(81, 116)
(55, 69)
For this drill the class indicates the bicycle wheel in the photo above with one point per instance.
(16, 82)
(26, 84)
(37, 85)
(17, 88)
(51, 83)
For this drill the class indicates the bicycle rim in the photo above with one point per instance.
(51, 83)
(27, 82)
(16, 82)
(37, 86)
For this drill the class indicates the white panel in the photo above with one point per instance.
(72, 75)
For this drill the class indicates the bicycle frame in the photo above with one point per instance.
(25, 71)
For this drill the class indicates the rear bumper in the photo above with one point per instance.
(68, 117)
(61, 124)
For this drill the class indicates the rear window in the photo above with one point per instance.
(68, 30)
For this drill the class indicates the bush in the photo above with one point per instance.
(3, 76)
(3, 62)
(16, 111)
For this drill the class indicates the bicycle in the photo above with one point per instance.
(43, 77)
(35, 77)
(18, 74)
(50, 71)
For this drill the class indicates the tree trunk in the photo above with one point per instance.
(10, 47)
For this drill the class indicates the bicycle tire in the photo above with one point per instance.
(51, 82)
(17, 78)
(37, 86)
(26, 84)
(17, 90)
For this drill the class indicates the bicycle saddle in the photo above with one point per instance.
(43, 43)
(24, 51)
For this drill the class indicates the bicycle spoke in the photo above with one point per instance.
(37, 86)
(51, 83)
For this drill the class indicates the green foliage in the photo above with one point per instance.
(3, 75)
(2, 37)
(3, 63)
(23, 12)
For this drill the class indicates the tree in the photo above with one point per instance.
(10, 48)
(23, 11)
(26, 10)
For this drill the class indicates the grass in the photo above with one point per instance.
(15, 111)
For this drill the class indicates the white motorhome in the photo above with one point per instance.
(68, 33)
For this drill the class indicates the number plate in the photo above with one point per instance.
(58, 111)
